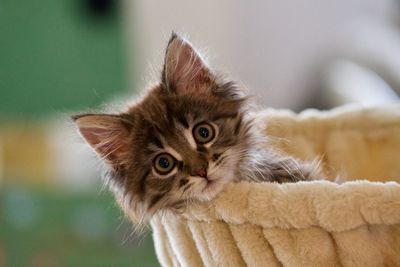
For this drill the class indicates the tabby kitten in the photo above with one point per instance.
(185, 140)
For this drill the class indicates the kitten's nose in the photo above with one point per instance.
(202, 172)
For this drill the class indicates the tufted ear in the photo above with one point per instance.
(184, 69)
(108, 135)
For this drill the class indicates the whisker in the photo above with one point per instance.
(187, 187)
(220, 161)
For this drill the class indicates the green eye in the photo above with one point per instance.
(203, 133)
(164, 163)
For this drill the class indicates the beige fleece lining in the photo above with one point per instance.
(317, 223)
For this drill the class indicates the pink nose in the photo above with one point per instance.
(201, 172)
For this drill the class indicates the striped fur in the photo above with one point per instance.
(189, 93)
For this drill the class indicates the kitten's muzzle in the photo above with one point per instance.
(202, 172)
(197, 166)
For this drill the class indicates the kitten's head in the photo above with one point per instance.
(183, 141)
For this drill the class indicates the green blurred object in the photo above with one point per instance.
(44, 228)
(58, 55)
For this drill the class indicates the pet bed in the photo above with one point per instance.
(319, 223)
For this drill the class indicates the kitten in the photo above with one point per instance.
(190, 136)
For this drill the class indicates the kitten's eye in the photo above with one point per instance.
(203, 133)
(164, 163)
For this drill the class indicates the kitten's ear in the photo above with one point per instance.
(108, 135)
(184, 69)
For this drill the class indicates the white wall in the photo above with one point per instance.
(276, 48)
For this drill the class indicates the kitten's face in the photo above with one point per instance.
(182, 142)
(188, 146)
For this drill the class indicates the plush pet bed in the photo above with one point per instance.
(319, 223)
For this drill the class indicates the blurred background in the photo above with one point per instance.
(61, 57)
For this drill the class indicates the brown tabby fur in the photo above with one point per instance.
(188, 93)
